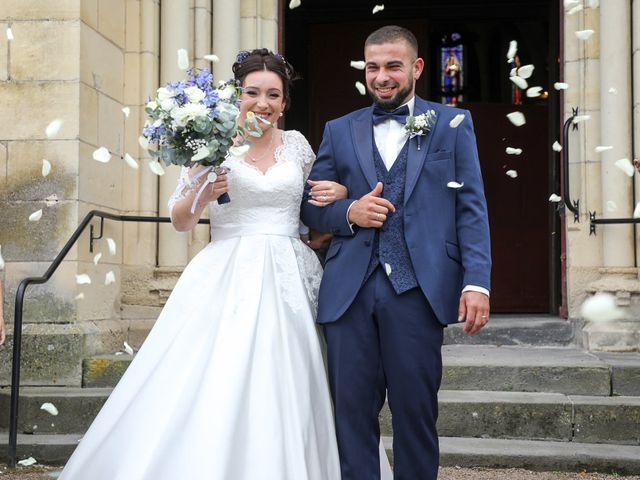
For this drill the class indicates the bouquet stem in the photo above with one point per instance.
(224, 198)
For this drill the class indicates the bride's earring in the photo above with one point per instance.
(280, 114)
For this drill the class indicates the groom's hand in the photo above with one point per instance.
(473, 310)
(370, 211)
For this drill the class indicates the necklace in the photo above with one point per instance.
(268, 149)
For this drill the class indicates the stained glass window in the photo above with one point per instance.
(452, 69)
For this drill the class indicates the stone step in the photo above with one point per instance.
(535, 416)
(102, 371)
(541, 330)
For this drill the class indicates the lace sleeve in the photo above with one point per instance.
(304, 153)
(180, 191)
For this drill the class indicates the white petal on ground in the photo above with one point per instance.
(525, 71)
(534, 92)
(560, 85)
(357, 64)
(143, 142)
(49, 408)
(455, 185)
(581, 118)
(110, 278)
(513, 49)
(613, 90)
(611, 206)
(79, 296)
(183, 59)
(513, 151)
(27, 462)
(603, 148)
(377, 8)
(10, 36)
(128, 349)
(101, 155)
(294, 4)
(111, 243)
(46, 167)
(361, 88)
(556, 146)
(602, 307)
(521, 83)
(83, 279)
(212, 58)
(626, 166)
(156, 168)
(53, 128)
(457, 120)
(126, 111)
(51, 200)
(636, 211)
(97, 258)
(1, 259)
(512, 173)
(575, 9)
(584, 34)
(202, 153)
(238, 151)
(131, 161)
(35, 216)
(517, 118)
(554, 198)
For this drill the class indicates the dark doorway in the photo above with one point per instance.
(321, 37)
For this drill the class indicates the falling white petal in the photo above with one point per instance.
(10, 36)
(584, 34)
(130, 161)
(156, 168)
(109, 278)
(560, 85)
(513, 151)
(53, 128)
(455, 185)
(83, 279)
(521, 83)
(294, 4)
(512, 173)
(581, 118)
(387, 269)
(593, 3)
(238, 151)
(183, 59)
(457, 120)
(203, 152)
(603, 148)
(554, 198)
(570, 3)
(513, 72)
(626, 166)
(1, 259)
(361, 88)
(212, 58)
(575, 9)
(525, 71)
(613, 91)
(128, 349)
(79, 296)
(513, 49)
(35, 216)
(611, 206)
(27, 462)
(357, 64)
(46, 167)
(602, 307)
(97, 258)
(533, 92)
(517, 118)
(556, 146)
(112, 246)
(378, 8)
(143, 142)
(51, 200)
(49, 408)
(101, 155)
(636, 211)
(126, 111)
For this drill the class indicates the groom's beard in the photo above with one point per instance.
(390, 104)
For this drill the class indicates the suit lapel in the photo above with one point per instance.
(362, 136)
(416, 157)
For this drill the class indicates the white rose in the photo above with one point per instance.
(182, 115)
(194, 94)
(227, 92)
(166, 98)
(152, 105)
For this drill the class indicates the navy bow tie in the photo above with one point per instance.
(399, 114)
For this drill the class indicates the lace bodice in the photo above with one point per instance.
(260, 198)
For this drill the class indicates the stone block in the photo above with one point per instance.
(592, 22)
(100, 183)
(110, 125)
(111, 20)
(39, 10)
(248, 39)
(41, 103)
(104, 370)
(4, 59)
(607, 420)
(616, 336)
(132, 95)
(89, 13)
(45, 51)
(101, 63)
(132, 26)
(572, 46)
(269, 36)
(625, 378)
(150, 32)
(248, 8)
(3, 171)
(88, 114)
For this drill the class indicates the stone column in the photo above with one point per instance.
(636, 91)
(174, 24)
(226, 36)
(615, 47)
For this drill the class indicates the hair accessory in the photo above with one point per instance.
(242, 56)
(280, 57)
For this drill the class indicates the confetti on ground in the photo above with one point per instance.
(35, 216)
(49, 408)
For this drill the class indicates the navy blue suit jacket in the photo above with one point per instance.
(446, 230)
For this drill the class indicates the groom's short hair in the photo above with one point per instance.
(391, 34)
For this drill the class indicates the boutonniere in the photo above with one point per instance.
(420, 124)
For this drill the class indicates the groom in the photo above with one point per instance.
(410, 255)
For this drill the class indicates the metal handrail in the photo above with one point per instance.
(573, 206)
(17, 324)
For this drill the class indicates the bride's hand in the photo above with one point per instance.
(324, 192)
(214, 190)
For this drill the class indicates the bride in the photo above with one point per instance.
(230, 383)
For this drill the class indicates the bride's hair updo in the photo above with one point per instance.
(264, 59)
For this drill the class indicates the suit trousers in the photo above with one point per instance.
(386, 343)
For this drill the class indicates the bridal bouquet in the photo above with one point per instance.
(195, 122)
